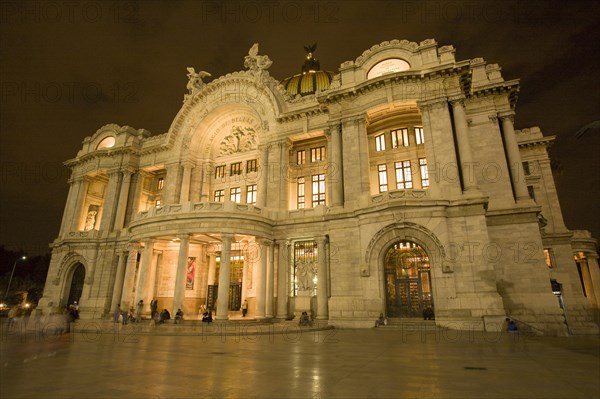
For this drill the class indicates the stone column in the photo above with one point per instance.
(261, 200)
(128, 282)
(261, 279)
(137, 192)
(73, 188)
(119, 277)
(270, 281)
(212, 268)
(284, 175)
(440, 152)
(245, 276)
(587, 282)
(322, 312)
(517, 175)
(464, 145)
(184, 196)
(123, 197)
(212, 272)
(592, 261)
(282, 277)
(110, 201)
(207, 172)
(355, 147)
(151, 283)
(179, 291)
(172, 184)
(79, 201)
(335, 166)
(144, 270)
(224, 278)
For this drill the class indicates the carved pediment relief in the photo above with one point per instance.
(241, 139)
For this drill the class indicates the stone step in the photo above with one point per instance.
(411, 324)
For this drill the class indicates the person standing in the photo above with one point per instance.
(138, 311)
(153, 307)
(244, 308)
(116, 313)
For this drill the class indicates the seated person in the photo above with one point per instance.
(381, 321)
(178, 316)
(511, 326)
(428, 313)
(207, 316)
(164, 315)
(304, 320)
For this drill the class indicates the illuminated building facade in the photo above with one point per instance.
(395, 184)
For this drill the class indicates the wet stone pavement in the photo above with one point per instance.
(288, 362)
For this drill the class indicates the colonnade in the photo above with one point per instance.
(271, 279)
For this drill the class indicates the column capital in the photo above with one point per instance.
(188, 163)
(133, 246)
(353, 118)
(226, 237)
(507, 115)
(493, 117)
(457, 100)
(183, 237)
(433, 103)
(282, 242)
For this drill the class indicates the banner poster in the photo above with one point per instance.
(191, 273)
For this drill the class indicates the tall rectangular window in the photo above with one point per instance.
(235, 169)
(380, 142)
(531, 192)
(548, 257)
(403, 175)
(301, 157)
(424, 172)
(301, 192)
(220, 171)
(160, 184)
(526, 168)
(399, 138)
(235, 194)
(219, 195)
(317, 154)
(318, 190)
(251, 166)
(419, 136)
(251, 194)
(383, 183)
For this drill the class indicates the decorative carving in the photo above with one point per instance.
(256, 63)
(241, 139)
(306, 271)
(336, 82)
(195, 82)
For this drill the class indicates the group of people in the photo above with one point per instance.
(304, 320)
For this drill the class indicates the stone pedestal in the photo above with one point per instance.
(302, 303)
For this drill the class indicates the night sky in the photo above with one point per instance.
(68, 68)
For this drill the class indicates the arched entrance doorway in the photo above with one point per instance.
(76, 287)
(407, 280)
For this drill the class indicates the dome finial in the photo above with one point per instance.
(311, 64)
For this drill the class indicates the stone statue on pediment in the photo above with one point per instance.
(195, 82)
(256, 63)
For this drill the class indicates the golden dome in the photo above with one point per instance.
(311, 80)
(307, 83)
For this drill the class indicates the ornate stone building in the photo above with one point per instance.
(395, 184)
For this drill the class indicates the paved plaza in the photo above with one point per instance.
(242, 360)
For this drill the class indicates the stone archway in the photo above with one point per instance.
(407, 276)
(75, 285)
